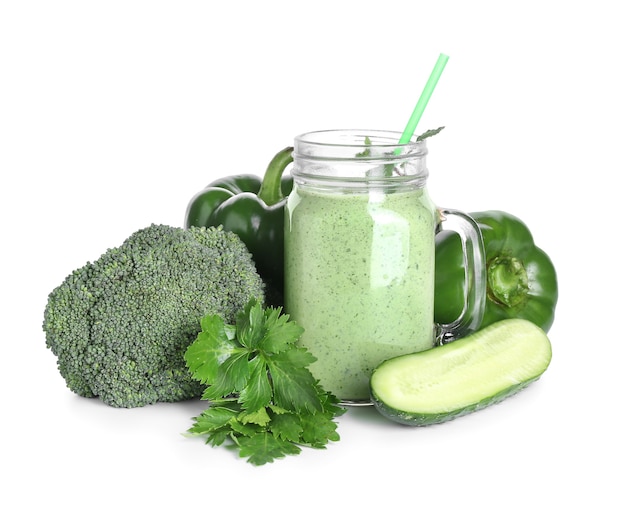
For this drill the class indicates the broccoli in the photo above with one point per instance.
(120, 326)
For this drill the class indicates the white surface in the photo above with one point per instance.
(113, 114)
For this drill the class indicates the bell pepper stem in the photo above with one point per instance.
(507, 281)
(270, 191)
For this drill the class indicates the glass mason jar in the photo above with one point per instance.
(360, 255)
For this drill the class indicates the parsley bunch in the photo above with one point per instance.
(262, 396)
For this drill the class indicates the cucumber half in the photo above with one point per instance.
(462, 376)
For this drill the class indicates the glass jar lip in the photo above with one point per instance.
(354, 157)
(350, 144)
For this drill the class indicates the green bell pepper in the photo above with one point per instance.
(253, 208)
(521, 278)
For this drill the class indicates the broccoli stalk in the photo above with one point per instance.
(120, 326)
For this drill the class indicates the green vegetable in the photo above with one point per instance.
(120, 326)
(262, 396)
(429, 133)
(463, 376)
(521, 278)
(254, 210)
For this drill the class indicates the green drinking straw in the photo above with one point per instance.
(423, 100)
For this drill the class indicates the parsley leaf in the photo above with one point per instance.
(263, 447)
(262, 396)
(213, 346)
(232, 375)
(367, 152)
(212, 419)
(258, 390)
(287, 426)
(429, 133)
(294, 385)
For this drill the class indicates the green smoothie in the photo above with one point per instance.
(359, 271)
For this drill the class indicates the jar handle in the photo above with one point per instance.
(475, 286)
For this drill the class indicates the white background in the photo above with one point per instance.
(113, 114)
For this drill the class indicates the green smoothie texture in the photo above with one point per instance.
(359, 278)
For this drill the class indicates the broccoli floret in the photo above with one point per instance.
(119, 326)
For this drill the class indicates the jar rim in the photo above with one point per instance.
(357, 156)
(350, 144)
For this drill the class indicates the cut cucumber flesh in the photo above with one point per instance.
(462, 376)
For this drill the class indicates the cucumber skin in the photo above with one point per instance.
(425, 419)
(420, 420)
